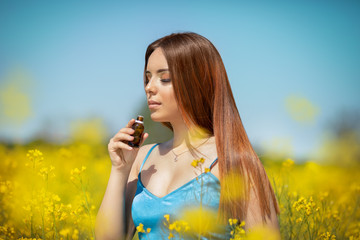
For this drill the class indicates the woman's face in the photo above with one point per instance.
(159, 89)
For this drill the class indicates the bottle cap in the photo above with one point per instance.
(140, 118)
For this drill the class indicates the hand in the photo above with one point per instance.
(121, 154)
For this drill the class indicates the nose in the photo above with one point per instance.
(150, 86)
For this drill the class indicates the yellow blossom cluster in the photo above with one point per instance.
(35, 156)
(141, 229)
(53, 192)
(176, 228)
(315, 199)
(327, 236)
(5, 186)
(7, 231)
(307, 205)
(197, 162)
(76, 173)
(288, 163)
(39, 203)
(237, 231)
(45, 172)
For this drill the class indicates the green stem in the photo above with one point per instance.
(290, 214)
(299, 231)
(352, 214)
(309, 231)
(87, 208)
(43, 221)
(54, 222)
(31, 225)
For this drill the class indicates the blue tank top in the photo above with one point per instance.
(149, 209)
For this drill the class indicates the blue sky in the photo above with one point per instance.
(85, 58)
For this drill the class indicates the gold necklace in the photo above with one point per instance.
(177, 155)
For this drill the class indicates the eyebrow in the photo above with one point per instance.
(159, 71)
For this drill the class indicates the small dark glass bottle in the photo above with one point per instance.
(138, 126)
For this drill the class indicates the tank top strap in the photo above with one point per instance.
(147, 155)
(213, 163)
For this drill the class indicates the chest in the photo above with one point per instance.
(161, 176)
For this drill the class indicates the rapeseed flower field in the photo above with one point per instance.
(50, 191)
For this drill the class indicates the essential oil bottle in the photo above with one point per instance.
(138, 126)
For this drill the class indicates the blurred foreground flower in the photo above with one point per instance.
(199, 221)
(301, 109)
(92, 131)
(262, 233)
(288, 163)
(198, 133)
(15, 101)
(233, 186)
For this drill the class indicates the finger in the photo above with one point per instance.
(113, 146)
(130, 123)
(127, 130)
(122, 137)
(144, 137)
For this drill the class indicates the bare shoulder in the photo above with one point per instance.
(144, 149)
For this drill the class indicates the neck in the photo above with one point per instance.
(183, 135)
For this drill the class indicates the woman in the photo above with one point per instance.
(188, 91)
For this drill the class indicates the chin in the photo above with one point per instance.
(156, 118)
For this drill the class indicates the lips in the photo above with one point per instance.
(153, 104)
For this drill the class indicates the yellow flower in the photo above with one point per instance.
(237, 232)
(35, 156)
(56, 198)
(308, 211)
(167, 217)
(148, 230)
(199, 221)
(323, 195)
(65, 232)
(197, 162)
(172, 226)
(170, 236)
(140, 228)
(233, 185)
(327, 236)
(262, 232)
(233, 221)
(75, 234)
(194, 163)
(288, 163)
(207, 170)
(198, 133)
(3, 187)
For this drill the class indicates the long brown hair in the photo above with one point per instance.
(204, 96)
